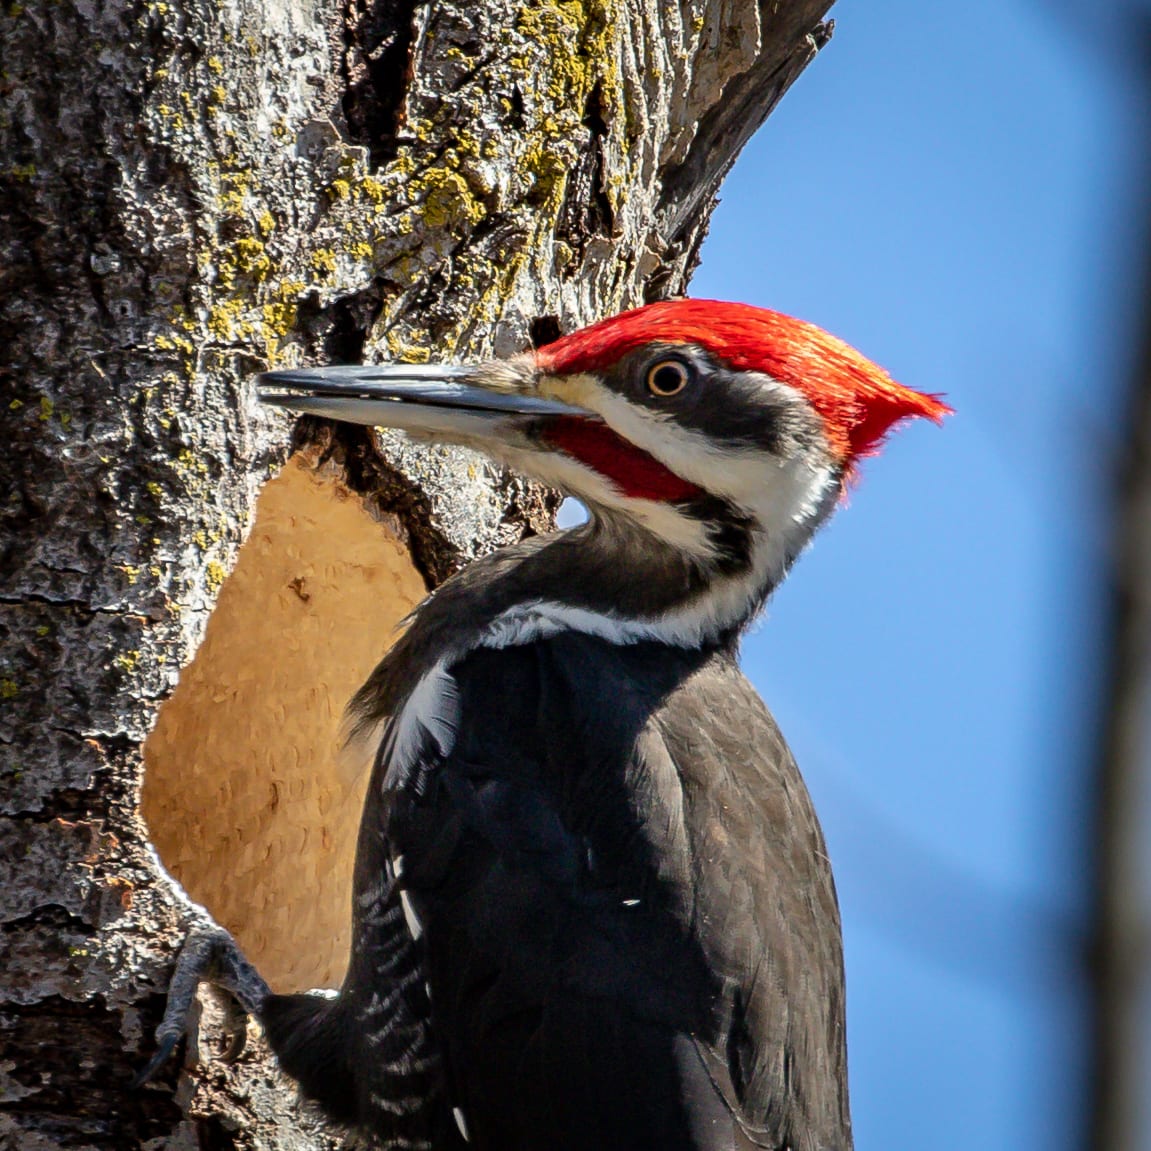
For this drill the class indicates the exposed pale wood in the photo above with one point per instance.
(247, 796)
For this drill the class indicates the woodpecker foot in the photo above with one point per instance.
(209, 955)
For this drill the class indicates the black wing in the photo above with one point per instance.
(369, 1056)
(627, 920)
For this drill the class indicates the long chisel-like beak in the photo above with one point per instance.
(428, 399)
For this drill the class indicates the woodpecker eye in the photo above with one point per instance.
(667, 378)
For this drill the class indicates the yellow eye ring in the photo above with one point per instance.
(667, 378)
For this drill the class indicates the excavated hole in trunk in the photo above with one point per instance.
(248, 798)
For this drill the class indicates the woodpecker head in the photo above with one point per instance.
(722, 432)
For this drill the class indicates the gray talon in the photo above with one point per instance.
(209, 955)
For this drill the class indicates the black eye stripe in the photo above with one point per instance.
(727, 406)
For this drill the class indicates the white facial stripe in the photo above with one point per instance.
(736, 475)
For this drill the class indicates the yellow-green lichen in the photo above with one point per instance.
(574, 35)
(173, 343)
(324, 262)
(226, 320)
(402, 165)
(189, 461)
(448, 202)
(233, 200)
(250, 258)
(174, 118)
(372, 190)
(407, 353)
(548, 168)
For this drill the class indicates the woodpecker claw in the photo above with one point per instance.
(163, 1054)
(209, 955)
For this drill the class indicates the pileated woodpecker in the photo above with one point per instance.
(593, 907)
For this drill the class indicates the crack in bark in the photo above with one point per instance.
(70, 804)
(50, 915)
(84, 1098)
(39, 599)
(586, 211)
(377, 62)
(544, 330)
(352, 318)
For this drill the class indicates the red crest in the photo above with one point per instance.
(857, 400)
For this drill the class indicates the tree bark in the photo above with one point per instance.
(193, 192)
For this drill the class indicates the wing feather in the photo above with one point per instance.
(630, 930)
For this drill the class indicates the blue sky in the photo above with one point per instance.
(951, 188)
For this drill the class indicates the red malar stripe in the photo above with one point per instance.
(631, 469)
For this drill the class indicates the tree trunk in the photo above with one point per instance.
(193, 192)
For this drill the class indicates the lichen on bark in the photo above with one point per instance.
(192, 191)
